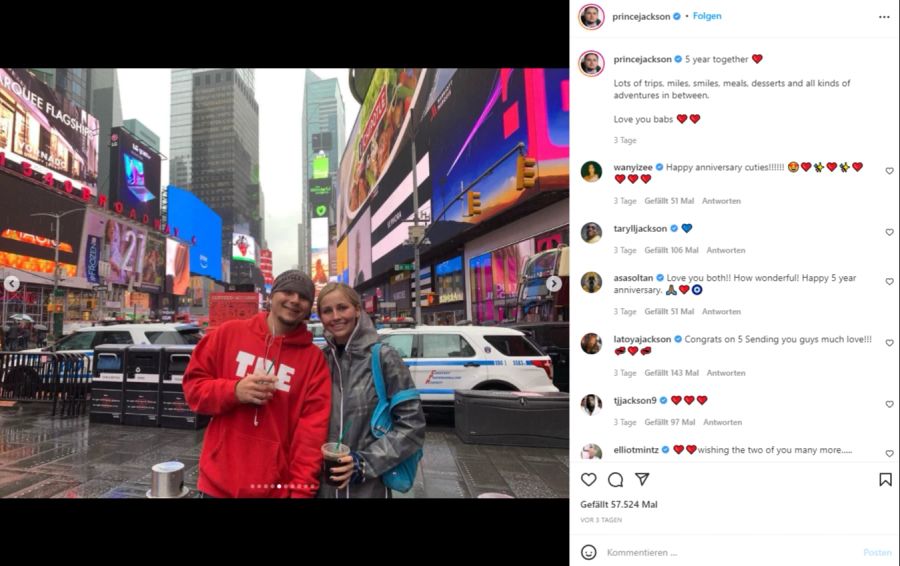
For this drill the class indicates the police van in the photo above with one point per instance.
(443, 359)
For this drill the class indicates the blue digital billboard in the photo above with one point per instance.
(198, 224)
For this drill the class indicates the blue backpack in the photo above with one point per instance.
(401, 477)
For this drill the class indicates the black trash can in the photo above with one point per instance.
(108, 383)
(512, 418)
(174, 410)
(142, 378)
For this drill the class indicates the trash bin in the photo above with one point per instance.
(143, 374)
(512, 418)
(108, 383)
(174, 410)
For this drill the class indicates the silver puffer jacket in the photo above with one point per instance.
(352, 402)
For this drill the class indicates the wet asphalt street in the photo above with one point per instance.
(52, 457)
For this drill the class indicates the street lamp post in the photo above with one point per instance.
(57, 216)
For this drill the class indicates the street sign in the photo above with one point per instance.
(59, 293)
(388, 305)
(404, 267)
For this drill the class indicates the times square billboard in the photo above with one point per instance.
(49, 133)
(466, 120)
(200, 225)
(134, 172)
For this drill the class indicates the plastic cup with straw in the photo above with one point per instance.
(332, 452)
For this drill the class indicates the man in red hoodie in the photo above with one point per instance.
(269, 392)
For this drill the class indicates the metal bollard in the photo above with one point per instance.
(168, 481)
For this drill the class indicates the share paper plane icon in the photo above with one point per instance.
(642, 476)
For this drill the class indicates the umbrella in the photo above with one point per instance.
(24, 317)
(40, 327)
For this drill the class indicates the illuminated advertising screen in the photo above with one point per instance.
(201, 226)
(26, 241)
(178, 268)
(51, 133)
(320, 192)
(343, 263)
(450, 285)
(153, 275)
(134, 173)
(319, 250)
(478, 117)
(121, 244)
(360, 250)
(265, 266)
(320, 167)
(372, 143)
(243, 248)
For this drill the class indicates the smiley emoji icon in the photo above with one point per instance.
(793, 166)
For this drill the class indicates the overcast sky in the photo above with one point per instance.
(145, 95)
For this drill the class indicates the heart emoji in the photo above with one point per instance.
(678, 448)
(321, 210)
(889, 342)
(682, 118)
(702, 399)
(688, 399)
(831, 165)
(687, 227)
(588, 479)
(620, 178)
(675, 399)
(645, 350)
(889, 170)
(633, 179)
(632, 350)
(890, 453)
(806, 165)
(684, 289)
(645, 178)
(695, 118)
(757, 58)
(691, 448)
(857, 165)
(889, 280)
(620, 350)
(889, 231)
(889, 404)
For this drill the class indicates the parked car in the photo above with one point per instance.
(553, 340)
(443, 359)
(86, 338)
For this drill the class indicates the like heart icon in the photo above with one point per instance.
(684, 289)
(633, 179)
(831, 165)
(675, 399)
(588, 479)
(687, 227)
(682, 118)
(688, 399)
(806, 165)
(678, 448)
(857, 165)
(620, 178)
(757, 58)
(695, 118)
(632, 350)
(645, 178)
(702, 399)
(691, 448)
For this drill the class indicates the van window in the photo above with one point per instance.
(403, 343)
(513, 345)
(446, 346)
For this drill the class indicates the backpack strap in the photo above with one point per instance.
(381, 421)
(377, 376)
